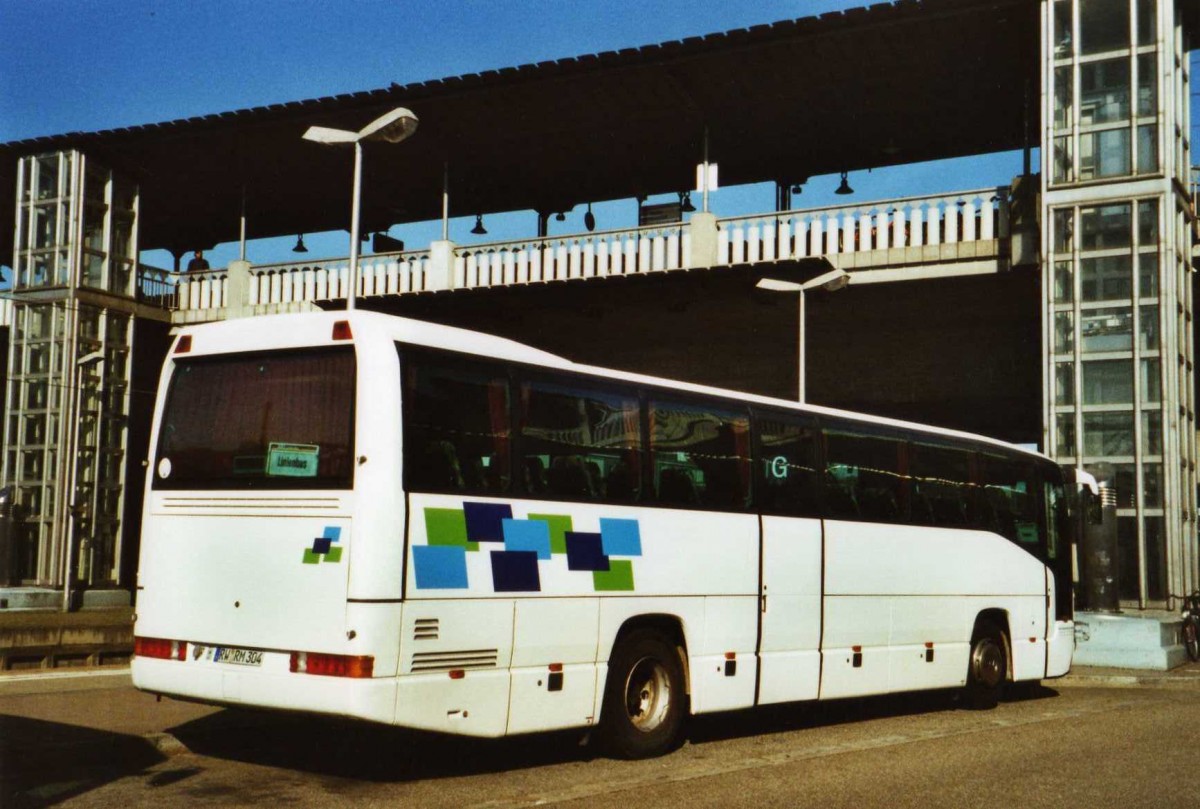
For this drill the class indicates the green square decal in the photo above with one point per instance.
(447, 526)
(334, 554)
(560, 524)
(310, 557)
(619, 575)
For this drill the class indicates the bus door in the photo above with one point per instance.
(791, 559)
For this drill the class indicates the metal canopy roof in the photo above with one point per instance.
(886, 84)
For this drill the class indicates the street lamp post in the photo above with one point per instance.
(391, 127)
(831, 281)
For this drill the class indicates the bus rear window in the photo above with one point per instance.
(280, 420)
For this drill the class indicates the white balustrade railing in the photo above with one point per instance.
(309, 281)
(929, 221)
(968, 216)
(6, 312)
(586, 255)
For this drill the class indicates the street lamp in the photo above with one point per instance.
(392, 127)
(830, 281)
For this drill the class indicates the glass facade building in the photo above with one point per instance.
(1119, 373)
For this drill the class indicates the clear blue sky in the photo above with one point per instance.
(85, 65)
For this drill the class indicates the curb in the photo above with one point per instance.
(1148, 680)
(56, 682)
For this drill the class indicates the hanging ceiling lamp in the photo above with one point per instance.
(589, 219)
(479, 229)
(844, 188)
(300, 248)
(685, 202)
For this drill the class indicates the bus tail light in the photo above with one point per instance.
(328, 665)
(341, 330)
(184, 345)
(160, 647)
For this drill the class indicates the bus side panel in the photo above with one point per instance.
(481, 548)
(730, 633)
(454, 666)
(789, 651)
(554, 638)
(871, 605)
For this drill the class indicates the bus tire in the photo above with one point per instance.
(987, 667)
(644, 697)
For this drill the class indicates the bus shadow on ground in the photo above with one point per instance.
(43, 763)
(794, 716)
(363, 751)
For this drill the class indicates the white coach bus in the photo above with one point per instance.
(363, 515)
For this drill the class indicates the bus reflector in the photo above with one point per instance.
(341, 330)
(328, 665)
(556, 667)
(160, 647)
(731, 655)
(457, 674)
(184, 345)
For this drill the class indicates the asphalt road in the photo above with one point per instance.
(1078, 747)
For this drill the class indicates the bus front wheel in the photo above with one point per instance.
(987, 667)
(644, 698)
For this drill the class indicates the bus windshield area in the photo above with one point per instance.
(280, 420)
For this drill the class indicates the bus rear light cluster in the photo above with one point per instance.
(328, 665)
(160, 647)
(341, 330)
(184, 345)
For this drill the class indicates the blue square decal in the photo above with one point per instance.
(585, 552)
(527, 535)
(332, 533)
(620, 537)
(440, 567)
(484, 521)
(515, 572)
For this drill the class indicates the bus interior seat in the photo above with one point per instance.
(675, 486)
(568, 478)
(439, 467)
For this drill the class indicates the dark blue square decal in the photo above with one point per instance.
(321, 545)
(515, 572)
(585, 552)
(484, 521)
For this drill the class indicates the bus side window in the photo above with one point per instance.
(700, 455)
(1010, 499)
(864, 478)
(787, 464)
(456, 426)
(942, 493)
(580, 444)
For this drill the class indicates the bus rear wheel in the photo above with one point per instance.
(987, 667)
(644, 699)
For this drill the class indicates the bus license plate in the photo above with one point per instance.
(230, 655)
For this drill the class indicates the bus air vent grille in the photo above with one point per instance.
(445, 661)
(426, 629)
(216, 504)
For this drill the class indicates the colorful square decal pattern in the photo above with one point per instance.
(451, 533)
(440, 567)
(323, 548)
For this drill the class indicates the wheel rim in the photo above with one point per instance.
(647, 694)
(987, 663)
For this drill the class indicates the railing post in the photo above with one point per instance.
(441, 265)
(237, 290)
(703, 252)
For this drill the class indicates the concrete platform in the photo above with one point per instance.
(1148, 640)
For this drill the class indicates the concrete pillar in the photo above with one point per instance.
(703, 253)
(441, 265)
(237, 290)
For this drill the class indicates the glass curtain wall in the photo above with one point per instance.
(1117, 269)
(67, 394)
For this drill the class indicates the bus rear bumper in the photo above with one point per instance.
(371, 699)
(1060, 647)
